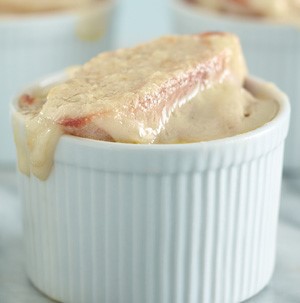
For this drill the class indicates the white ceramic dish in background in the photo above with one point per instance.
(156, 223)
(34, 45)
(272, 52)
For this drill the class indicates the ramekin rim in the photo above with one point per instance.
(282, 114)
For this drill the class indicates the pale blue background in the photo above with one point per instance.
(142, 20)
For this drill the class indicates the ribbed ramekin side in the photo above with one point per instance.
(95, 236)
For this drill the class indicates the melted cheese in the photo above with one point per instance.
(130, 93)
(221, 111)
(173, 90)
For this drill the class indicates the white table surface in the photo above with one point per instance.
(140, 21)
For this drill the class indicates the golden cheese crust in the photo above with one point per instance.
(129, 94)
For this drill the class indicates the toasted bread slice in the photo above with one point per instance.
(128, 95)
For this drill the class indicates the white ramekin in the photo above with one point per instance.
(272, 52)
(179, 223)
(34, 45)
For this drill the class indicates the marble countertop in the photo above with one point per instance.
(16, 288)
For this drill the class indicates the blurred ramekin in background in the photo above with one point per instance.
(157, 223)
(32, 45)
(272, 52)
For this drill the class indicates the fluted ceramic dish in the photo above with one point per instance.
(132, 223)
(272, 52)
(32, 45)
